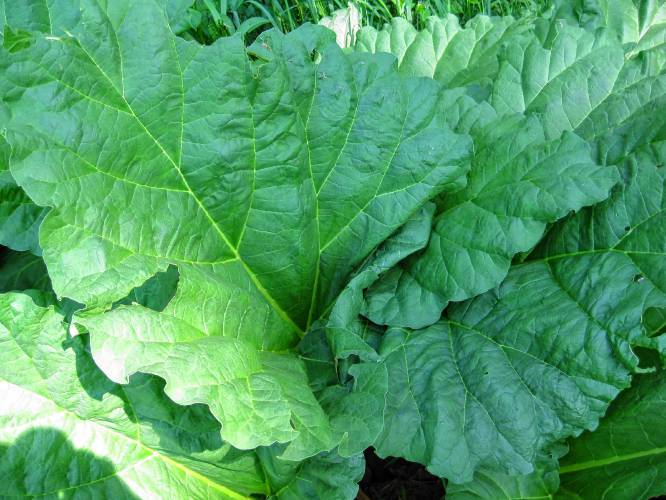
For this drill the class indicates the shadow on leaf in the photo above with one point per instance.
(179, 429)
(44, 462)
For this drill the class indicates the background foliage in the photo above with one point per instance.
(211, 19)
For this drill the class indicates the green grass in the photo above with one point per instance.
(215, 18)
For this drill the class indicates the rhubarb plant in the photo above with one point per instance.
(230, 269)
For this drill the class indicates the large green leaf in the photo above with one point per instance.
(355, 395)
(67, 431)
(612, 106)
(540, 358)
(626, 456)
(563, 74)
(480, 229)
(611, 258)
(184, 164)
(265, 183)
(259, 396)
(519, 183)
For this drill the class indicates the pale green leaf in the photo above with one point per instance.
(90, 437)
(259, 397)
(345, 23)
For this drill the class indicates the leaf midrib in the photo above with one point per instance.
(611, 249)
(593, 464)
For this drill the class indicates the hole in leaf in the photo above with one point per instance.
(315, 56)
(638, 278)
(627, 228)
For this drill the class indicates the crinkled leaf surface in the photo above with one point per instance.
(264, 183)
(541, 357)
(562, 323)
(640, 24)
(563, 73)
(346, 331)
(519, 183)
(355, 398)
(277, 185)
(259, 396)
(68, 431)
(559, 80)
(626, 456)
